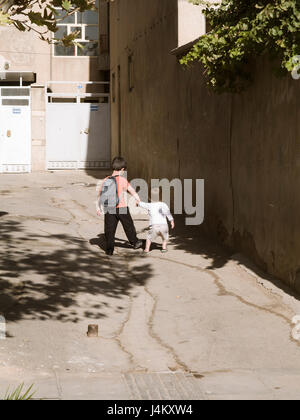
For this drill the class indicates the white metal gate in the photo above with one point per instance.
(77, 129)
(15, 129)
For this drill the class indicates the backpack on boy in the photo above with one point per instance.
(109, 198)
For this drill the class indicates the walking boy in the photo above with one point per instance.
(112, 202)
(159, 213)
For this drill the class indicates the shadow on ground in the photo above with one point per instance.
(193, 240)
(119, 243)
(43, 276)
(101, 243)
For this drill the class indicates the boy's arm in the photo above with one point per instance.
(133, 193)
(98, 208)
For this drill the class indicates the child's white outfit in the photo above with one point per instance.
(158, 214)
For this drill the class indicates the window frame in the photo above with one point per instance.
(82, 27)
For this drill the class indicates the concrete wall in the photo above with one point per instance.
(104, 35)
(246, 147)
(24, 51)
(38, 124)
(191, 22)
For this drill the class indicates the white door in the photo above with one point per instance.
(62, 131)
(15, 130)
(94, 142)
(78, 134)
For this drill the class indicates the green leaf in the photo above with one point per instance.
(19, 394)
(242, 30)
(66, 4)
(4, 19)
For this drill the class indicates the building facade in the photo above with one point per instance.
(54, 108)
(169, 125)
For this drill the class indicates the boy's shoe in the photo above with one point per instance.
(164, 251)
(138, 245)
(109, 253)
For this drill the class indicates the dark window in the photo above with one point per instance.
(87, 49)
(60, 50)
(15, 92)
(61, 32)
(91, 33)
(86, 24)
(62, 100)
(90, 17)
(15, 102)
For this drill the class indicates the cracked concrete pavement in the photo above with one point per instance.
(196, 323)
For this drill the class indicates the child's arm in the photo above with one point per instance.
(133, 193)
(169, 216)
(146, 206)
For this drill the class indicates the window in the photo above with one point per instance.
(85, 24)
(94, 100)
(61, 100)
(15, 92)
(15, 102)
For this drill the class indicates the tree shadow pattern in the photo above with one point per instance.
(42, 276)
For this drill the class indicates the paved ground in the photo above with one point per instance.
(197, 323)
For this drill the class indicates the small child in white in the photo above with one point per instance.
(159, 213)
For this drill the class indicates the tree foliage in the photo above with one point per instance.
(242, 30)
(42, 16)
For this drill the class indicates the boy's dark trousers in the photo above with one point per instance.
(111, 222)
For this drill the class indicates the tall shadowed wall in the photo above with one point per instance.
(246, 147)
